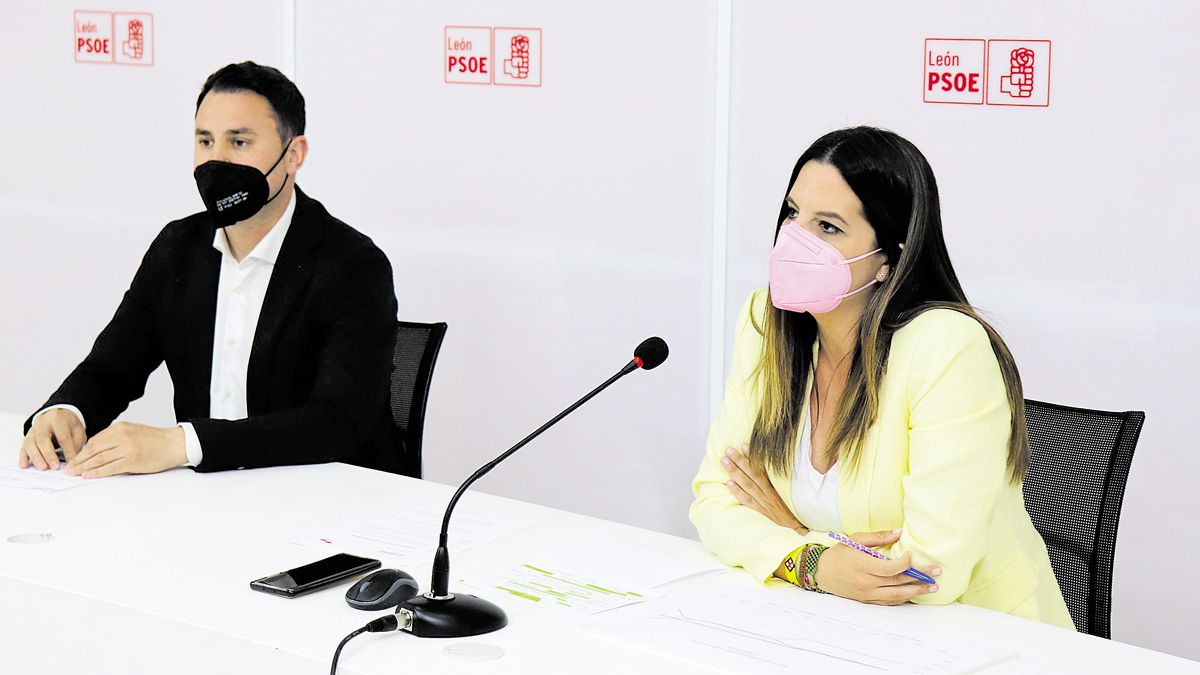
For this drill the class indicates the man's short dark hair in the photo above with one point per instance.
(286, 100)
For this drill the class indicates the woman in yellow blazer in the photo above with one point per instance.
(866, 396)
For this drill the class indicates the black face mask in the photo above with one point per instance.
(234, 192)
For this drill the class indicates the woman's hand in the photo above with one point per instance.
(753, 488)
(853, 574)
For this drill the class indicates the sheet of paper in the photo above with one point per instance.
(49, 480)
(410, 537)
(618, 560)
(755, 632)
(558, 590)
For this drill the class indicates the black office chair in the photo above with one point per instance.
(417, 346)
(1073, 490)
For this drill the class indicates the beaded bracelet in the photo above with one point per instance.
(792, 564)
(800, 567)
(810, 557)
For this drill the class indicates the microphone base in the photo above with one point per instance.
(460, 615)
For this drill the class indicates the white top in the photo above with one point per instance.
(241, 289)
(814, 494)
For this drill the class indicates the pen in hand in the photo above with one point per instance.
(912, 571)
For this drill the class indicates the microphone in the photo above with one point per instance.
(651, 353)
(439, 613)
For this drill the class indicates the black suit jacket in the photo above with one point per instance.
(320, 366)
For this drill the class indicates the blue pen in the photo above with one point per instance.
(912, 571)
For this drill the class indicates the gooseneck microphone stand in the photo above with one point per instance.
(440, 613)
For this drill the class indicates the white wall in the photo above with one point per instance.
(97, 158)
(555, 227)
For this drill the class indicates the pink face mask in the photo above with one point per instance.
(809, 275)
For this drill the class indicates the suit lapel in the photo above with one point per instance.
(289, 279)
(854, 490)
(202, 272)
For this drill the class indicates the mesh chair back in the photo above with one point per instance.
(417, 346)
(1073, 490)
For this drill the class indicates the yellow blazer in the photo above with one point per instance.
(933, 464)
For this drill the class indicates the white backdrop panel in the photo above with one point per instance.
(1066, 224)
(553, 228)
(99, 159)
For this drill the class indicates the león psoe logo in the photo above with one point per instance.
(135, 46)
(1019, 81)
(517, 67)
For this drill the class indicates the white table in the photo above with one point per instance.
(150, 573)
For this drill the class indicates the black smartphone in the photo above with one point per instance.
(314, 576)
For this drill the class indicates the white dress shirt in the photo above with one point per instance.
(241, 289)
(815, 494)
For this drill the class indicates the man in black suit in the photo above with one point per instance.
(276, 320)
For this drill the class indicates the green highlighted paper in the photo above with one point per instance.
(559, 590)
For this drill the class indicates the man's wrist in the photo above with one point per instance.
(178, 446)
(193, 454)
(60, 406)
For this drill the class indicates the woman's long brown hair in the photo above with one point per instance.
(896, 186)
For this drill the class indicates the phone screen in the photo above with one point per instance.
(315, 575)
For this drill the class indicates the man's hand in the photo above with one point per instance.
(130, 448)
(53, 425)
